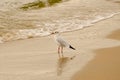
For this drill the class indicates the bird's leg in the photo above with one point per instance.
(62, 51)
(59, 51)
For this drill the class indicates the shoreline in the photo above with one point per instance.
(10, 37)
(105, 65)
(29, 59)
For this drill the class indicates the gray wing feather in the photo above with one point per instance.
(62, 42)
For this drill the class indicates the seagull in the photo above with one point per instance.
(61, 43)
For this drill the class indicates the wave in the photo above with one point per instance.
(72, 25)
(67, 16)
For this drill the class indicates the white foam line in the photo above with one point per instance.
(99, 18)
(31, 33)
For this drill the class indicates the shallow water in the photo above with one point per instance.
(67, 16)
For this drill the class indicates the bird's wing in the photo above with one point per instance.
(62, 42)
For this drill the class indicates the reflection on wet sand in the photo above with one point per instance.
(62, 62)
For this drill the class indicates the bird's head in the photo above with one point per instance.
(56, 33)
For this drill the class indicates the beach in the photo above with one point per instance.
(37, 58)
(105, 66)
(28, 50)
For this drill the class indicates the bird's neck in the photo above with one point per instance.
(57, 35)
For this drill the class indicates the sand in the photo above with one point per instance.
(115, 35)
(105, 66)
(37, 59)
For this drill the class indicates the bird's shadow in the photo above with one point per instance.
(62, 62)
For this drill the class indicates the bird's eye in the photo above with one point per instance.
(56, 32)
(52, 33)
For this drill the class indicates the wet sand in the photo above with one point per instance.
(105, 66)
(115, 35)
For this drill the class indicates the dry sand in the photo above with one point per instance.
(37, 59)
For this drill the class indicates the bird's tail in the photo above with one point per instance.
(71, 47)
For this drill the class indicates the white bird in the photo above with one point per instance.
(61, 43)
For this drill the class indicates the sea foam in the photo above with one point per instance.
(62, 26)
(68, 16)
